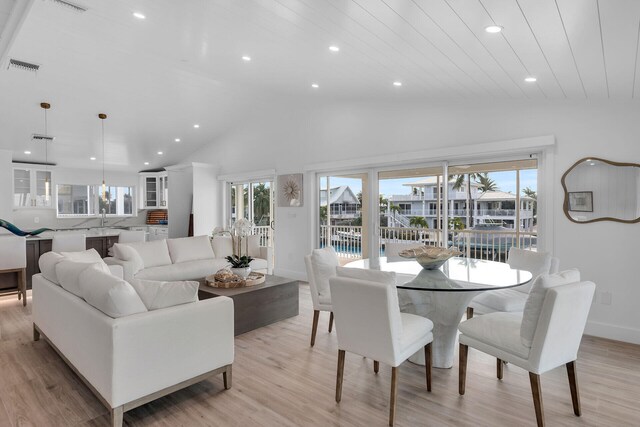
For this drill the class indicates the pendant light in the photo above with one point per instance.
(102, 117)
(47, 182)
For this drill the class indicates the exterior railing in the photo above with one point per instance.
(524, 213)
(491, 245)
(266, 234)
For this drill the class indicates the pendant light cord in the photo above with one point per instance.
(102, 122)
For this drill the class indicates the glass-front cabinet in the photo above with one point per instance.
(32, 188)
(155, 186)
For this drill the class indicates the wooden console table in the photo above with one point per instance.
(261, 305)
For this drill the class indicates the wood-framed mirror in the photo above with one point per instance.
(596, 189)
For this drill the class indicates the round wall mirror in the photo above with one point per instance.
(601, 190)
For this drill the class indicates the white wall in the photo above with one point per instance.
(207, 203)
(289, 139)
(180, 202)
(6, 196)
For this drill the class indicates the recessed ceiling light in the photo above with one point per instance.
(146, 163)
(530, 79)
(315, 85)
(196, 126)
(493, 29)
(398, 84)
(139, 15)
(246, 58)
(334, 48)
(177, 140)
(27, 152)
(92, 158)
(160, 153)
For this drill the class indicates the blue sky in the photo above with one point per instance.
(506, 181)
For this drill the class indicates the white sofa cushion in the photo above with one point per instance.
(68, 273)
(109, 294)
(90, 256)
(153, 254)
(190, 249)
(533, 306)
(324, 263)
(259, 264)
(250, 245)
(190, 270)
(125, 252)
(47, 264)
(501, 330)
(222, 246)
(158, 294)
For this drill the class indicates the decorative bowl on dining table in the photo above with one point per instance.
(430, 257)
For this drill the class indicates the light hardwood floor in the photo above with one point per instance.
(280, 381)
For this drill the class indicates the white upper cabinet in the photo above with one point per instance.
(155, 189)
(32, 188)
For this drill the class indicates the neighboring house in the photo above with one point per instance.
(344, 203)
(490, 207)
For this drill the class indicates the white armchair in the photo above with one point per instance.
(321, 266)
(512, 300)
(369, 323)
(13, 259)
(554, 320)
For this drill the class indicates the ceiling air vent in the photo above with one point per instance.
(71, 6)
(42, 138)
(21, 65)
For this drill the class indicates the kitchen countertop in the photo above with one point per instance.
(89, 232)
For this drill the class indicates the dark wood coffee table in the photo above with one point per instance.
(260, 305)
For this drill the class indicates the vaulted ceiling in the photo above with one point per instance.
(182, 65)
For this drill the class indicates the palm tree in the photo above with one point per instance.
(457, 185)
(486, 183)
(418, 221)
(261, 203)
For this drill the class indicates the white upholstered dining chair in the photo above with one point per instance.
(71, 242)
(321, 266)
(545, 336)
(369, 323)
(13, 259)
(513, 299)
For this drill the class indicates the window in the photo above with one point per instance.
(86, 200)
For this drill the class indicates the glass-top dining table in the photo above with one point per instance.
(443, 295)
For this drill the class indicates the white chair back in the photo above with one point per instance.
(561, 325)
(313, 290)
(129, 236)
(367, 317)
(69, 242)
(555, 265)
(535, 262)
(13, 252)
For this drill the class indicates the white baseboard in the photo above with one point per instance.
(613, 332)
(292, 274)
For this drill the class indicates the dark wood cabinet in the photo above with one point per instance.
(35, 248)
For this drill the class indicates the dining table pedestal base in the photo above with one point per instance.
(445, 310)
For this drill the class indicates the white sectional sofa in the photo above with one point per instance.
(187, 258)
(132, 359)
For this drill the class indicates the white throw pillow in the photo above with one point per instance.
(190, 249)
(153, 254)
(90, 256)
(68, 273)
(385, 277)
(533, 306)
(109, 294)
(47, 264)
(157, 294)
(250, 246)
(222, 246)
(125, 252)
(324, 262)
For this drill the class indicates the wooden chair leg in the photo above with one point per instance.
(537, 397)
(22, 277)
(341, 354)
(331, 322)
(376, 366)
(227, 377)
(428, 363)
(469, 312)
(573, 384)
(36, 333)
(394, 395)
(117, 415)
(314, 328)
(499, 368)
(462, 373)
